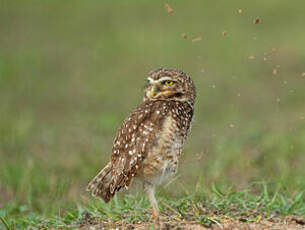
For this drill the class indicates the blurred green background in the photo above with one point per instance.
(70, 71)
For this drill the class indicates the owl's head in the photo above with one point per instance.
(170, 84)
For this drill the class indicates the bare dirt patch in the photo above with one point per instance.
(191, 222)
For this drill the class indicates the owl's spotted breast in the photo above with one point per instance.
(162, 160)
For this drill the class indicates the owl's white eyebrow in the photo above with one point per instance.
(165, 79)
(159, 80)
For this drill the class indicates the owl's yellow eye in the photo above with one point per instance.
(168, 83)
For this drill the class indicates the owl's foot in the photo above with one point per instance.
(155, 215)
(159, 221)
(154, 218)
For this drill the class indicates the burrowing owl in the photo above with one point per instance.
(149, 142)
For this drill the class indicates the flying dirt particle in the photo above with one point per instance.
(275, 71)
(251, 57)
(238, 95)
(198, 39)
(303, 74)
(168, 8)
(240, 11)
(256, 21)
(278, 100)
(224, 33)
(265, 59)
(184, 36)
(213, 86)
(231, 126)
(199, 155)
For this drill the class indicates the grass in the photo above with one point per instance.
(207, 210)
(71, 72)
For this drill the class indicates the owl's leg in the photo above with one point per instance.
(150, 191)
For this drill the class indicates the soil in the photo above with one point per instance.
(226, 223)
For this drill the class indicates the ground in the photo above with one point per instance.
(226, 223)
(222, 210)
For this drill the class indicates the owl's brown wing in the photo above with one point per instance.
(138, 133)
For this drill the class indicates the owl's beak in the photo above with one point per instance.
(154, 90)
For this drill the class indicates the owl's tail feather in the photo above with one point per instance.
(100, 184)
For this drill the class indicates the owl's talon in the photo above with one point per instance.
(155, 217)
